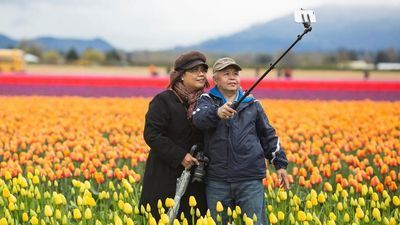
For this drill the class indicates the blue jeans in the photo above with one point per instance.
(249, 195)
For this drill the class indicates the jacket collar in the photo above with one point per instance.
(215, 92)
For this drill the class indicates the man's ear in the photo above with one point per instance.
(214, 79)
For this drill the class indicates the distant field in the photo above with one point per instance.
(135, 71)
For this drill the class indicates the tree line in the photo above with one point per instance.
(320, 60)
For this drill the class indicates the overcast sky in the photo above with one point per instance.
(146, 24)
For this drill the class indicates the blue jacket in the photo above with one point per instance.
(237, 147)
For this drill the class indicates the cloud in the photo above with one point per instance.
(136, 24)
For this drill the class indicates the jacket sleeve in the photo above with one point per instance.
(205, 115)
(155, 133)
(269, 140)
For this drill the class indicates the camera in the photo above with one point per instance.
(200, 170)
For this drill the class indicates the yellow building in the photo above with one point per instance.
(11, 60)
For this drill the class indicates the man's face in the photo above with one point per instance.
(227, 79)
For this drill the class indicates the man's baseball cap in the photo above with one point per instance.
(222, 63)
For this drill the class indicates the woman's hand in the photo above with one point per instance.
(226, 112)
(189, 161)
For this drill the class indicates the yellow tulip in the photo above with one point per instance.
(192, 201)
(77, 214)
(385, 221)
(234, 214)
(321, 198)
(7, 175)
(364, 190)
(361, 202)
(376, 213)
(148, 207)
(282, 195)
(57, 199)
(291, 218)
(176, 222)
(88, 214)
(121, 204)
(392, 221)
(6, 192)
(169, 203)
(3, 221)
(79, 201)
(359, 213)
(340, 206)
(152, 221)
(159, 204)
(228, 211)
(314, 201)
(308, 204)
(281, 216)
(22, 181)
(48, 211)
(272, 218)
(128, 208)
(129, 221)
(309, 217)
(25, 217)
(35, 179)
(248, 221)
(301, 216)
(238, 210)
(332, 216)
(210, 221)
(34, 220)
(345, 194)
(219, 207)
(117, 220)
(331, 222)
(366, 219)
(396, 201)
(58, 214)
(346, 217)
(339, 187)
(199, 221)
(375, 196)
(164, 218)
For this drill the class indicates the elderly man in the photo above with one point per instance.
(237, 143)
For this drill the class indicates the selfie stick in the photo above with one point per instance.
(307, 28)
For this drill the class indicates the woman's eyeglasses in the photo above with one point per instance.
(198, 69)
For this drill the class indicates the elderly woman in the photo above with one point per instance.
(170, 134)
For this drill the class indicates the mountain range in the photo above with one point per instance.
(354, 27)
(60, 44)
(337, 27)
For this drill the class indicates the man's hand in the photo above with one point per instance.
(283, 178)
(189, 161)
(226, 112)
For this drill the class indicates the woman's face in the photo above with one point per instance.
(195, 78)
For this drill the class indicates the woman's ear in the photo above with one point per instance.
(183, 76)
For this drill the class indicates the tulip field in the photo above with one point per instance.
(76, 160)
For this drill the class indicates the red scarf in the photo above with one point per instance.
(190, 98)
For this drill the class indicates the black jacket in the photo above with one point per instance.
(170, 136)
(237, 147)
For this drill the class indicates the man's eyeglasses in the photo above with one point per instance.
(198, 69)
